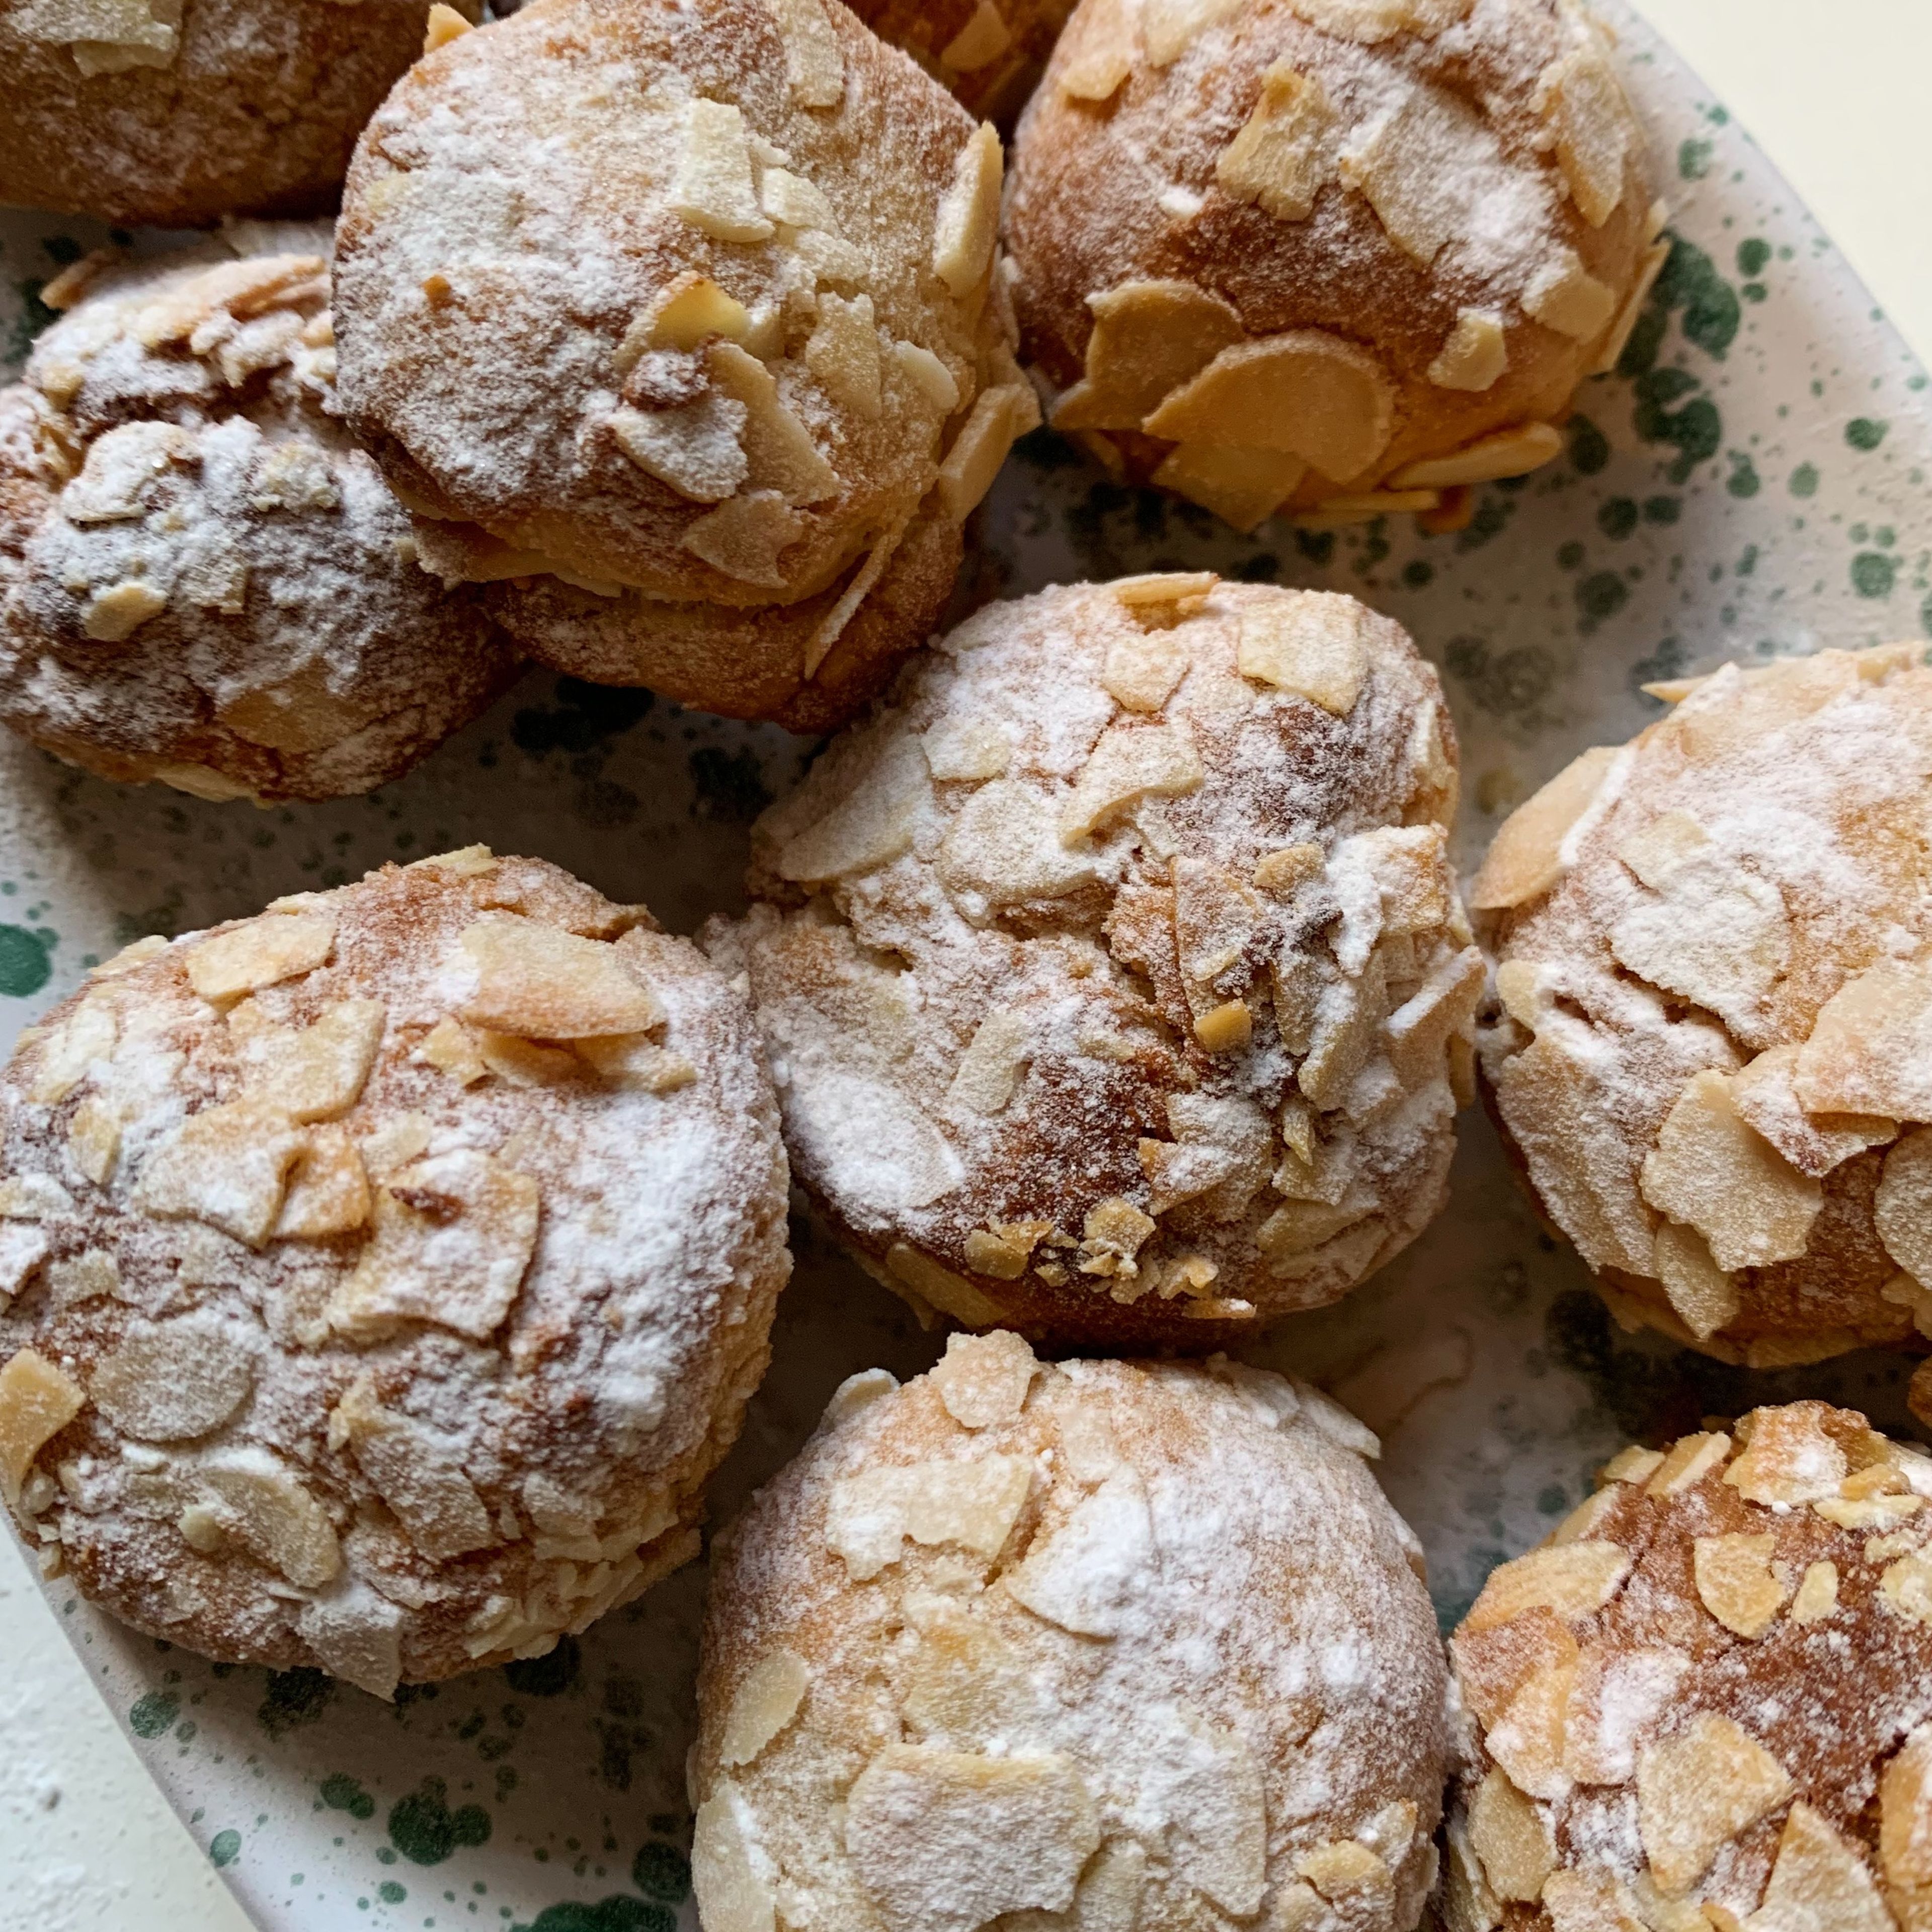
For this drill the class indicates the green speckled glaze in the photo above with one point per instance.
(1751, 482)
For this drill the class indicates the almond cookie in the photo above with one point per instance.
(988, 53)
(179, 112)
(683, 327)
(1113, 974)
(203, 580)
(1711, 1050)
(1335, 258)
(387, 1272)
(1095, 1645)
(1701, 1705)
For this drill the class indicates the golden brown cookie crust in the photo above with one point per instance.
(387, 1272)
(1112, 971)
(211, 107)
(1141, 1641)
(203, 580)
(1420, 224)
(1705, 1059)
(712, 359)
(1701, 1703)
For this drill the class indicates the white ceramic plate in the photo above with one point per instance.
(1753, 483)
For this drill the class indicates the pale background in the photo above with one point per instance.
(1831, 92)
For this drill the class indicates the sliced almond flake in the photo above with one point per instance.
(1098, 50)
(1563, 295)
(978, 43)
(317, 1072)
(1512, 1838)
(733, 1893)
(973, 1503)
(539, 981)
(1413, 165)
(1736, 1583)
(990, 1068)
(1816, 1594)
(744, 537)
(829, 258)
(1634, 1465)
(1594, 131)
(1865, 1513)
(1310, 643)
(970, 748)
(413, 1472)
(843, 354)
(1871, 1050)
(1509, 452)
(1591, 1899)
(1285, 870)
(328, 1189)
(173, 1381)
(1131, 762)
(1764, 1093)
(1160, 589)
(356, 1633)
(1171, 26)
(1790, 1458)
(1141, 672)
(518, 1062)
(1286, 149)
(1092, 1573)
(1704, 1297)
(1004, 1250)
(1149, 338)
(696, 449)
(943, 1841)
(1418, 1031)
(1526, 858)
(634, 1060)
(1905, 1814)
(1906, 1587)
(227, 1166)
(871, 824)
(1314, 395)
(260, 1503)
(1819, 1883)
(451, 1048)
(967, 1686)
(1000, 417)
(968, 216)
(1474, 358)
(260, 952)
(1713, 1170)
(863, 581)
(1697, 1791)
(779, 450)
(1529, 1740)
(22, 1249)
(712, 188)
(1218, 1842)
(815, 62)
(691, 309)
(1576, 1580)
(1902, 1209)
(1687, 1462)
(38, 1400)
(1648, 269)
(64, 1056)
(1493, 1665)
(983, 1379)
(1370, 21)
(1241, 486)
(453, 1235)
(765, 1702)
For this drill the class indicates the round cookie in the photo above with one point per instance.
(989, 53)
(179, 112)
(1711, 1048)
(1103, 1644)
(1113, 974)
(1701, 1705)
(388, 1272)
(706, 395)
(203, 580)
(1337, 258)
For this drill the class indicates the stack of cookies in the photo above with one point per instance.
(383, 1276)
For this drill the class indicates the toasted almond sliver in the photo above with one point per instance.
(227, 1166)
(1280, 158)
(983, 1379)
(1817, 1594)
(1790, 1459)
(969, 213)
(1474, 358)
(1696, 1790)
(815, 62)
(1574, 1580)
(317, 1072)
(1819, 1879)
(172, 1381)
(1510, 452)
(766, 1701)
(1687, 1462)
(1310, 643)
(1905, 1813)
(1870, 1049)
(1512, 1838)
(260, 952)
(1149, 338)
(712, 188)
(1735, 1582)
(1242, 487)
(540, 983)
(414, 1475)
(1526, 856)
(38, 1400)
(1132, 761)
(1902, 1208)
